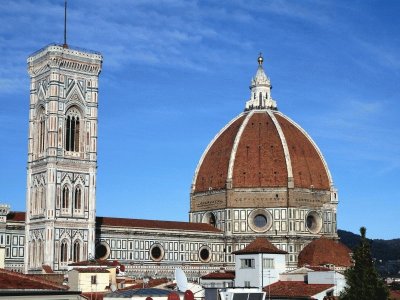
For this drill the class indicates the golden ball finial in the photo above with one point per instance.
(260, 59)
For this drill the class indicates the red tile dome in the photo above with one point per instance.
(262, 148)
(324, 251)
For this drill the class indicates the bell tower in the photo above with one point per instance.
(62, 157)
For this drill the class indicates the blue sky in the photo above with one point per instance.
(175, 72)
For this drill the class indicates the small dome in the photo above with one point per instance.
(323, 251)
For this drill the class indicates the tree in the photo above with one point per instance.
(363, 282)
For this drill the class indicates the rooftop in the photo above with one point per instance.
(155, 224)
(260, 245)
(296, 289)
(16, 281)
(323, 252)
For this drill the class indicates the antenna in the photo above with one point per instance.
(65, 25)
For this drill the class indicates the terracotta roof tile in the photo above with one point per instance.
(92, 270)
(214, 168)
(97, 262)
(307, 165)
(47, 269)
(324, 251)
(295, 289)
(260, 159)
(97, 295)
(154, 224)
(260, 245)
(16, 216)
(318, 268)
(18, 281)
(220, 275)
(394, 295)
(152, 283)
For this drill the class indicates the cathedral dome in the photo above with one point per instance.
(263, 175)
(325, 252)
(262, 148)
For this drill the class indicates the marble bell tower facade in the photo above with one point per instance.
(62, 157)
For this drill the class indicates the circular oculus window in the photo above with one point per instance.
(260, 220)
(102, 250)
(156, 252)
(205, 254)
(314, 222)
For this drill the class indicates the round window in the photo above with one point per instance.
(156, 252)
(102, 250)
(260, 220)
(205, 254)
(314, 222)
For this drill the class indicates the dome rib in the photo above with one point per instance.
(235, 146)
(206, 165)
(259, 159)
(285, 148)
(310, 163)
(262, 148)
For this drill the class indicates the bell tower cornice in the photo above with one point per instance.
(68, 59)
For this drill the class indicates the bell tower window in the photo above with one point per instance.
(72, 130)
(41, 134)
(64, 251)
(77, 251)
(41, 131)
(65, 197)
(78, 198)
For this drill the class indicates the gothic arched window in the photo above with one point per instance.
(42, 252)
(33, 252)
(65, 197)
(78, 198)
(77, 251)
(39, 253)
(72, 130)
(64, 251)
(43, 199)
(41, 131)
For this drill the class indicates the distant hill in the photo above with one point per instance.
(382, 250)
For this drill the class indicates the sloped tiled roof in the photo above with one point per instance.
(96, 262)
(154, 224)
(324, 251)
(94, 295)
(260, 245)
(220, 275)
(47, 269)
(296, 289)
(16, 216)
(92, 270)
(394, 295)
(17, 281)
(151, 284)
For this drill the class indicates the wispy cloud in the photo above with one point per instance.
(356, 131)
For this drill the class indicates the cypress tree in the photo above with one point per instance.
(362, 280)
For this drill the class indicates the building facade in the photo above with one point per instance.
(261, 176)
